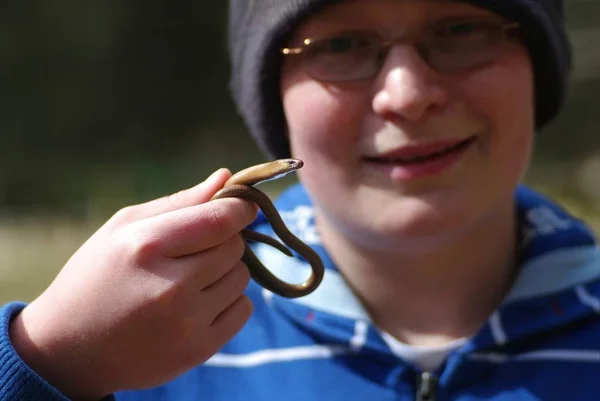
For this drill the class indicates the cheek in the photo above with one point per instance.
(323, 130)
(508, 105)
(516, 122)
(322, 123)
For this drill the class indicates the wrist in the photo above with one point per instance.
(56, 365)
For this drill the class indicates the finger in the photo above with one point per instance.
(205, 268)
(225, 291)
(231, 320)
(195, 195)
(197, 228)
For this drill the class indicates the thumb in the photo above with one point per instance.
(195, 195)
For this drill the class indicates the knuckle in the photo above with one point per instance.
(235, 214)
(198, 352)
(139, 245)
(233, 283)
(249, 212)
(190, 335)
(176, 199)
(124, 215)
(246, 307)
(220, 220)
(171, 297)
(242, 277)
(237, 315)
(230, 252)
(237, 247)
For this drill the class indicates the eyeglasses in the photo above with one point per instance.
(447, 46)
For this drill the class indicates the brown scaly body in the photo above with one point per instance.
(240, 185)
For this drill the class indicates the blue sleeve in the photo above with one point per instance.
(17, 380)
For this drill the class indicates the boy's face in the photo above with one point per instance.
(472, 123)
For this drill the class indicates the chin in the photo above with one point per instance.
(423, 224)
(420, 223)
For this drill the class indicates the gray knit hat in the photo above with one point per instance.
(258, 28)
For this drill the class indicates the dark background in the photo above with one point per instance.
(107, 103)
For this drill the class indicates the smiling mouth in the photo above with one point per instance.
(422, 157)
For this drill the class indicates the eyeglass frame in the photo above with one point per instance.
(383, 47)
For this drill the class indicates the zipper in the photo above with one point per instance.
(426, 387)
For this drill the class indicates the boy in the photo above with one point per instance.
(446, 279)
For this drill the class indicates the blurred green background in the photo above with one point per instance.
(109, 103)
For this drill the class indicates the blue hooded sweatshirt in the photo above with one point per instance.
(542, 342)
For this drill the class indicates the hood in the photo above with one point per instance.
(557, 284)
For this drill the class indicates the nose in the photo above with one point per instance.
(407, 87)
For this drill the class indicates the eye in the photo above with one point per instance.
(464, 29)
(342, 43)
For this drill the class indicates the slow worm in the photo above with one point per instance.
(241, 185)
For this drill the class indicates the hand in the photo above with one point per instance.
(155, 291)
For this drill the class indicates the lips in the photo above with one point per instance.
(421, 153)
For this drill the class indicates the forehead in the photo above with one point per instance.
(403, 14)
